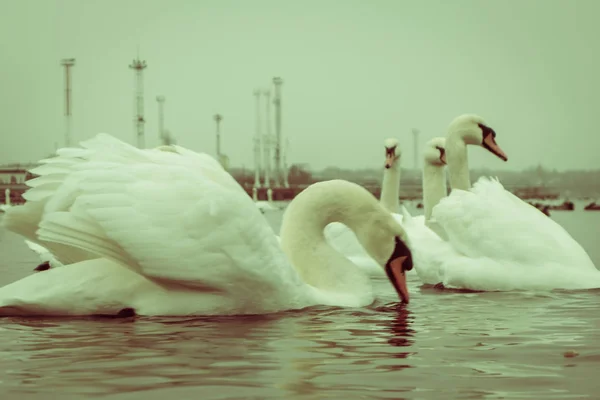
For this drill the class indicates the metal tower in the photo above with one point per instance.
(277, 81)
(221, 157)
(68, 63)
(257, 142)
(161, 119)
(139, 67)
(416, 132)
(284, 163)
(267, 139)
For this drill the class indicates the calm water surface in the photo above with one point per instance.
(443, 346)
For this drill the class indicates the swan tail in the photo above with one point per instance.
(488, 186)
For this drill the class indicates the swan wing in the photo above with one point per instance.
(52, 172)
(171, 216)
(489, 221)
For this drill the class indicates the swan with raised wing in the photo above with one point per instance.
(496, 241)
(175, 234)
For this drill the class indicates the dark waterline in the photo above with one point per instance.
(445, 344)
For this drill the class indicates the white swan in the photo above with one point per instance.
(344, 240)
(434, 183)
(7, 204)
(390, 185)
(209, 251)
(496, 241)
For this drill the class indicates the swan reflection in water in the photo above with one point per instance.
(345, 348)
(401, 334)
(301, 352)
(104, 356)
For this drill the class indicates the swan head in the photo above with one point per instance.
(386, 242)
(474, 130)
(392, 152)
(435, 152)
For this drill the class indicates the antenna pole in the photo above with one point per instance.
(277, 81)
(68, 63)
(257, 142)
(161, 120)
(267, 139)
(139, 66)
(284, 162)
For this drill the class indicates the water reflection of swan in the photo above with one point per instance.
(401, 331)
(177, 352)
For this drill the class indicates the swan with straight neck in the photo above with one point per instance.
(496, 241)
(390, 186)
(434, 175)
(468, 129)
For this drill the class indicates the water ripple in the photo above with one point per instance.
(443, 345)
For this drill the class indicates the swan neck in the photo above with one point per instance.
(458, 163)
(434, 187)
(303, 240)
(390, 188)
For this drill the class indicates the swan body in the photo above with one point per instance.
(496, 241)
(208, 251)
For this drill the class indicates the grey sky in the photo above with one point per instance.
(355, 72)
